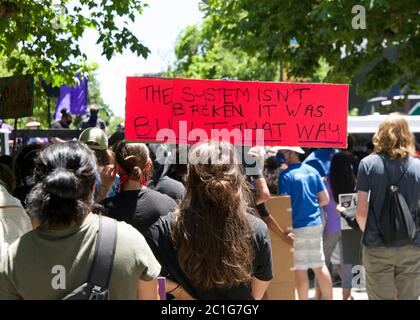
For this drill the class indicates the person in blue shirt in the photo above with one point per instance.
(308, 194)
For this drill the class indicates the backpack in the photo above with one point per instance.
(396, 224)
(96, 288)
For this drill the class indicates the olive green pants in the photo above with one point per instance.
(392, 268)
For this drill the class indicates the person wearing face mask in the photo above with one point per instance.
(93, 120)
(65, 122)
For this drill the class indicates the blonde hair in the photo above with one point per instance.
(394, 138)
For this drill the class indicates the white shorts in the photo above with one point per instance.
(308, 249)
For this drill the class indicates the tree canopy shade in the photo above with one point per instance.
(41, 36)
(386, 51)
(203, 54)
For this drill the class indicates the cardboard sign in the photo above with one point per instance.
(282, 287)
(16, 97)
(246, 113)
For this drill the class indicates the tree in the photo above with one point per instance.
(95, 97)
(41, 37)
(386, 51)
(205, 55)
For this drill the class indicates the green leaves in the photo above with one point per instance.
(42, 37)
(323, 29)
(206, 55)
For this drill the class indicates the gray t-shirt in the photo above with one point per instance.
(48, 264)
(372, 177)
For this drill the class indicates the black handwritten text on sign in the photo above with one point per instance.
(288, 114)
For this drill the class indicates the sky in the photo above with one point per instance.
(158, 28)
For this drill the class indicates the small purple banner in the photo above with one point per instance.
(74, 99)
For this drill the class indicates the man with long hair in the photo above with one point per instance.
(389, 266)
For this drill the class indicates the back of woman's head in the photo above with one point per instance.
(211, 231)
(64, 177)
(394, 138)
(341, 175)
(25, 164)
(132, 158)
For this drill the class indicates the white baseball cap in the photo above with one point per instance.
(296, 149)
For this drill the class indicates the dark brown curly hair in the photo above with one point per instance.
(211, 231)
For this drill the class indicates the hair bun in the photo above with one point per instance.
(62, 183)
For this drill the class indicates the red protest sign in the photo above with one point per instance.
(249, 113)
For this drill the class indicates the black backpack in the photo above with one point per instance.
(96, 288)
(396, 224)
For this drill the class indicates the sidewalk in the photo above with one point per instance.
(357, 294)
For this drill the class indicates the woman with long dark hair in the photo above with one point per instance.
(212, 247)
(60, 251)
(340, 180)
(341, 177)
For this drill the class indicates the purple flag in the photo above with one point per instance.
(73, 99)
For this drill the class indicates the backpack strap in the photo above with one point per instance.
(103, 259)
(387, 173)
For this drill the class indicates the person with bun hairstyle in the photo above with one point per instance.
(135, 203)
(65, 121)
(55, 258)
(212, 246)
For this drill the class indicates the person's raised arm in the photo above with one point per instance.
(263, 193)
(108, 174)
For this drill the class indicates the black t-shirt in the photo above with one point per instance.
(170, 187)
(140, 208)
(373, 179)
(158, 237)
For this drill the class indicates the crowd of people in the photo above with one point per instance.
(204, 226)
